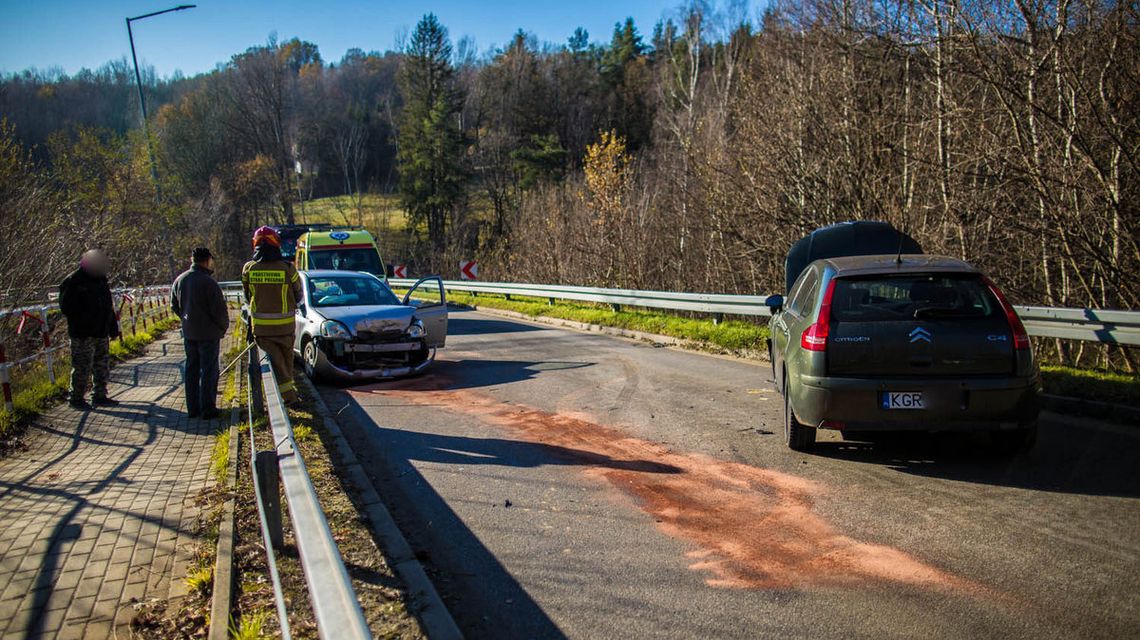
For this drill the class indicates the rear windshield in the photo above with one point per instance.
(363, 259)
(343, 291)
(912, 296)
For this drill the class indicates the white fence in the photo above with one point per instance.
(135, 308)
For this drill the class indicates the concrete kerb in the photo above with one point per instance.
(222, 598)
(1091, 408)
(433, 614)
(223, 593)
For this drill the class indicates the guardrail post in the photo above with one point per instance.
(616, 308)
(46, 329)
(718, 318)
(550, 302)
(255, 391)
(5, 380)
(269, 483)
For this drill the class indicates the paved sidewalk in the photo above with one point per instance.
(98, 511)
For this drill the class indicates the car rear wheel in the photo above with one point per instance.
(797, 436)
(309, 358)
(1016, 441)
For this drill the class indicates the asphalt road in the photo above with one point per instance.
(564, 484)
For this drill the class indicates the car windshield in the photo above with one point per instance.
(899, 297)
(347, 290)
(288, 248)
(357, 259)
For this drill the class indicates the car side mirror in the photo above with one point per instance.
(775, 303)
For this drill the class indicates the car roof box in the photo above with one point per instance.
(853, 238)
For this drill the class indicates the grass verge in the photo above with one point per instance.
(374, 581)
(134, 344)
(1102, 386)
(733, 335)
(33, 393)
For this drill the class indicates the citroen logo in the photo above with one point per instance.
(920, 335)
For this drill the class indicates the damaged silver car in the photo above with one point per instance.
(351, 326)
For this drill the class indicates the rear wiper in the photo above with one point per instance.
(936, 310)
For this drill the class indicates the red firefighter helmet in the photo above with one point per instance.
(266, 235)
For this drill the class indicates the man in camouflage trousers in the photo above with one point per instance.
(85, 299)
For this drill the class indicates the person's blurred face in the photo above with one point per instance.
(209, 264)
(95, 262)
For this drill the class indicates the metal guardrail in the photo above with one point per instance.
(232, 289)
(1095, 325)
(714, 303)
(333, 599)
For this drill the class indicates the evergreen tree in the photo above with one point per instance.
(579, 41)
(429, 142)
(625, 47)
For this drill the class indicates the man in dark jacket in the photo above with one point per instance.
(85, 299)
(197, 299)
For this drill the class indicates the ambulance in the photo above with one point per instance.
(340, 249)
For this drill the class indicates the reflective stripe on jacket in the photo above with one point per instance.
(272, 288)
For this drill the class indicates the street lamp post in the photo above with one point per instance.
(146, 125)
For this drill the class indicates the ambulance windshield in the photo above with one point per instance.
(356, 259)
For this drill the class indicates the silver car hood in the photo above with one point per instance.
(371, 318)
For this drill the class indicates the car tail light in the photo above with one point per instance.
(814, 337)
(1020, 337)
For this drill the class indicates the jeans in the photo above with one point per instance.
(201, 376)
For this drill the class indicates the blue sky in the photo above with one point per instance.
(73, 34)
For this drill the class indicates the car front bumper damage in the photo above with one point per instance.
(348, 360)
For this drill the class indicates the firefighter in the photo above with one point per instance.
(272, 289)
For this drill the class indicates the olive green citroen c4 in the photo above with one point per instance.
(901, 342)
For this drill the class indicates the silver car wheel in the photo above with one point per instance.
(309, 356)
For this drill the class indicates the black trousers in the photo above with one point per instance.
(201, 375)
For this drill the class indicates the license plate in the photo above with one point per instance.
(902, 400)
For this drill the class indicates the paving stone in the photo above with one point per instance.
(99, 507)
(72, 630)
(81, 608)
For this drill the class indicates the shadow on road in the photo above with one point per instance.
(430, 447)
(471, 580)
(1069, 458)
(459, 324)
(447, 375)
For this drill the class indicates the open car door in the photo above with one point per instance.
(427, 295)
